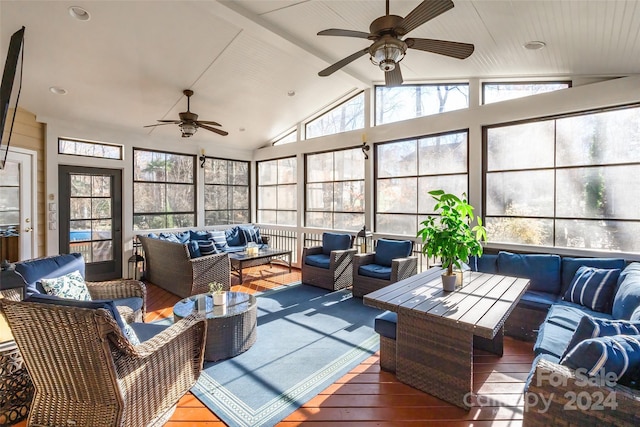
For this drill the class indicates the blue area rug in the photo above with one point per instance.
(307, 339)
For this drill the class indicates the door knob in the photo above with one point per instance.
(28, 229)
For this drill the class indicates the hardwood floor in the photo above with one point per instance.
(367, 396)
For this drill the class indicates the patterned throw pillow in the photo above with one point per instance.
(619, 354)
(70, 286)
(251, 234)
(592, 327)
(593, 288)
(207, 247)
(219, 238)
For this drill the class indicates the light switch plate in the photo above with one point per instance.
(52, 207)
(53, 225)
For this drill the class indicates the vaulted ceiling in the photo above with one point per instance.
(128, 64)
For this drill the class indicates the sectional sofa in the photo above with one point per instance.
(585, 316)
(184, 263)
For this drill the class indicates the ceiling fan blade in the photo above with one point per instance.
(168, 121)
(442, 47)
(394, 77)
(425, 11)
(162, 124)
(207, 122)
(344, 33)
(335, 67)
(218, 131)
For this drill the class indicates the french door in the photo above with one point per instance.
(90, 218)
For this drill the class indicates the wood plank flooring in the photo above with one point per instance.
(368, 396)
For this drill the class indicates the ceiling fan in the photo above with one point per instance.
(388, 48)
(189, 122)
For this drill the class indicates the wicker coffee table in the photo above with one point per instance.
(231, 328)
(437, 331)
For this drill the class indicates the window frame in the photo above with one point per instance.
(194, 184)
(569, 84)
(307, 122)
(229, 210)
(120, 148)
(258, 185)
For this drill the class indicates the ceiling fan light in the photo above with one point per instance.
(387, 52)
(188, 129)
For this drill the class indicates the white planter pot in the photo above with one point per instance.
(449, 282)
(220, 298)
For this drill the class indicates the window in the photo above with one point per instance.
(226, 192)
(407, 170)
(346, 116)
(287, 139)
(90, 149)
(277, 193)
(335, 190)
(9, 196)
(566, 182)
(496, 92)
(410, 101)
(163, 190)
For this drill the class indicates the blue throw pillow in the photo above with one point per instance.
(250, 234)
(571, 265)
(194, 249)
(233, 236)
(593, 327)
(388, 250)
(183, 237)
(47, 268)
(627, 298)
(219, 238)
(198, 235)
(335, 242)
(619, 354)
(207, 247)
(593, 288)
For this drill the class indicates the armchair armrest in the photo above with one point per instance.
(344, 256)
(401, 268)
(312, 250)
(558, 392)
(210, 268)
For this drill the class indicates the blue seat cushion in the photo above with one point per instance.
(233, 236)
(543, 270)
(485, 264)
(593, 287)
(627, 297)
(230, 249)
(134, 303)
(375, 271)
(536, 300)
(146, 331)
(386, 324)
(388, 250)
(568, 314)
(47, 268)
(552, 339)
(318, 260)
(619, 354)
(571, 265)
(335, 242)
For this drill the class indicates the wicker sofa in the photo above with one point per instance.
(170, 266)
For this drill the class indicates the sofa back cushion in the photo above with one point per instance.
(335, 242)
(571, 265)
(626, 300)
(543, 270)
(486, 263)
(47, 268)
(388, 250)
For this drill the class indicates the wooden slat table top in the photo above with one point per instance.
(481, 305)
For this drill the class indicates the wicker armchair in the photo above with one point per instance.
(338, 273)
(557, 397)
(170, 266)
(87, 373)
(401, 268)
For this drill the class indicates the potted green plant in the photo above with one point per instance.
(218, 293)
(450, 235)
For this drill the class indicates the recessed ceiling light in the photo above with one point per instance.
(291, 92)
(58, 90)
(241, 129)
(534, 45)
(79, 13)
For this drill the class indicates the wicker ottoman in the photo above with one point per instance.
(231, 328)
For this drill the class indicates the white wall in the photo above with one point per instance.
(590, 94)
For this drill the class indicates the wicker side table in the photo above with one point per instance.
(231, 328)
(16, 389)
